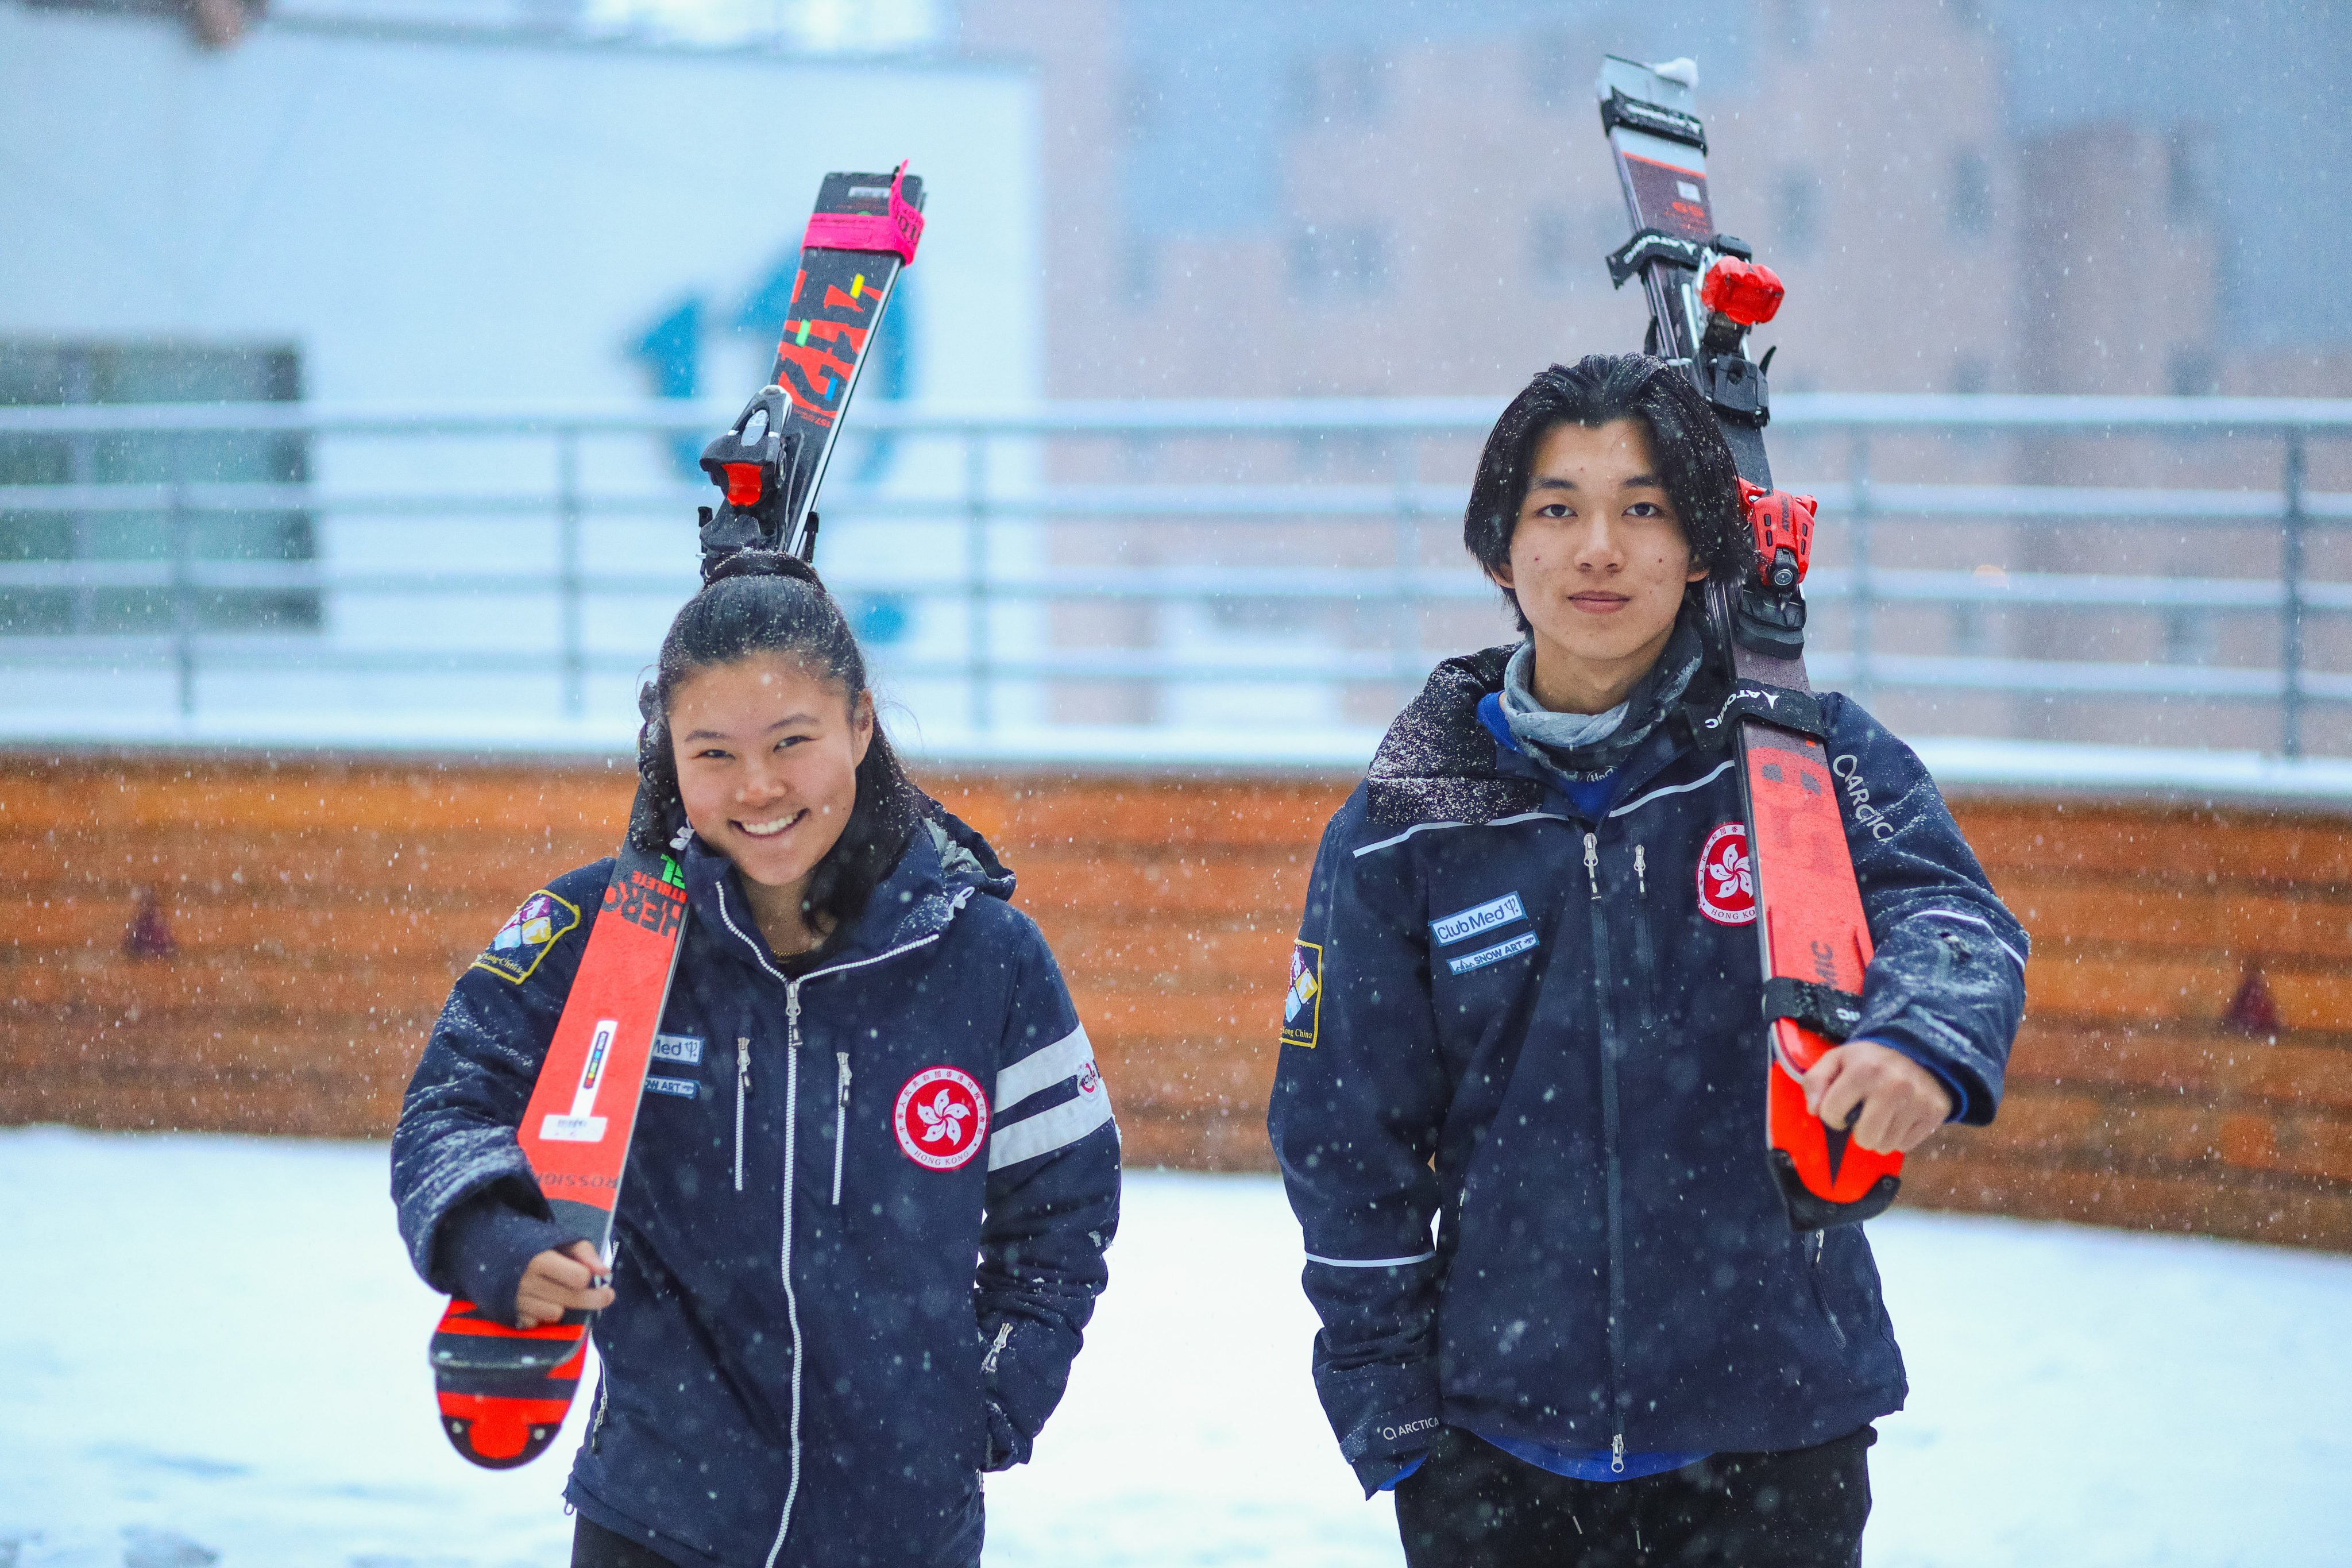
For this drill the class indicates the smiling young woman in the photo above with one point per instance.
(869, 1076)
(1525, 996)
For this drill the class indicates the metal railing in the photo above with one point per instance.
(989, 479)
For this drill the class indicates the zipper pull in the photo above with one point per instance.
(1617, 1455)
(792, 1012)
(1592, 862)
(841, 1095)
(743, 1063)
(1641, 872)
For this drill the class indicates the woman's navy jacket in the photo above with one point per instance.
(802, 1365)
(1542, 1032)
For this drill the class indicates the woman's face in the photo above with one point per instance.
(1598, 559)
(767, 763)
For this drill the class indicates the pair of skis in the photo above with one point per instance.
(1704, 293)
(504, 1391)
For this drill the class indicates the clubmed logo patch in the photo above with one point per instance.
(527, 935)
(1302, 1003)
(1726, 878)
(942, 1118)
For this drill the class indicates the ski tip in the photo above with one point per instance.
(1682, 69)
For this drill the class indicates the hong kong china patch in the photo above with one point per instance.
(1726, 878)
(942, 1118)
(529, 933)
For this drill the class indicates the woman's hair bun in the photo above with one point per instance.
(756, 562)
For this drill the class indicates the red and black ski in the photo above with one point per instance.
(1704, 293)
(504, 1391)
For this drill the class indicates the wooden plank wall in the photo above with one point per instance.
(318, 910)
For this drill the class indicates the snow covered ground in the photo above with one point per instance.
(212, 1349)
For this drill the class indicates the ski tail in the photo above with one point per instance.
(771, 462)
(1705, 293)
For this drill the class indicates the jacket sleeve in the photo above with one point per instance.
(456, 1137)
(1053, 1205)
(1360, 1092)
(1946, 985)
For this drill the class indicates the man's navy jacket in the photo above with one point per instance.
(1542, 1033)
(815, 1379)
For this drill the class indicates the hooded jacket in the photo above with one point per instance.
(802, 1363)
(1538, 1031)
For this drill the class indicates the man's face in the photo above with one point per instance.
(1598, 559)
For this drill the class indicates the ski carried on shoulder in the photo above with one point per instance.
(503, 1391)
(1705, 292)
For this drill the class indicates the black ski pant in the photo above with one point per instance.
(593, 1546)
(1471, 1505)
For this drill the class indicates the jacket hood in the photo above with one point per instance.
(1440, 762)
(946, 862)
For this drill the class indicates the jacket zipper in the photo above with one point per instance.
(791, 1126)
(840, 1120)
(742, 1093)
(1600, 982)
(792, 1301)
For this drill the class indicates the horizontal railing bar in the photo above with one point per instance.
(1303, 666)
(1236, 416)
(1827, 586)
(1121, 502)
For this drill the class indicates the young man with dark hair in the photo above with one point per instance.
(1525, 1009)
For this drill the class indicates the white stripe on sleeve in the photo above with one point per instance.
(1042, 1070)
(1048, 1130)
(1372, 1262)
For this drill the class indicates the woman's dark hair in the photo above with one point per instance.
(1692, 456)
(759, 601)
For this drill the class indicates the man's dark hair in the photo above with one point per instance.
(759, 601)
(1692, 456)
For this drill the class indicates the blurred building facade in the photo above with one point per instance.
(1964, 196)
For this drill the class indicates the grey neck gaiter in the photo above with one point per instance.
(1589, 746)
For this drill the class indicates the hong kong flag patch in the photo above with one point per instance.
(1726, 878)
(942, 1118)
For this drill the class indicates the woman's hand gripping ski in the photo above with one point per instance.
(574, 1279)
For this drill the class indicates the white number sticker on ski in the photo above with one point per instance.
(580, 1126)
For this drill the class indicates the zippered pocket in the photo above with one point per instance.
(742, 1093)
(1645, 960)
(1821, 1288)
(840, 1120)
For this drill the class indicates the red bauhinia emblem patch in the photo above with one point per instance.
(943, 1117)
(1726, 878)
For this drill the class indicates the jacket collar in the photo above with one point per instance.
(946, 863)
(1444, 760)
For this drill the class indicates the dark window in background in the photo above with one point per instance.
(1971, 193)
(2188, 177)
(2192, 372)
(42, 373)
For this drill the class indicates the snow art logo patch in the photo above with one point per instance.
(527, 935)
(1302, 1003)
(1726, 878)
(942, 1118)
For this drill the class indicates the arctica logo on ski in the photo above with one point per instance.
(1848, 768)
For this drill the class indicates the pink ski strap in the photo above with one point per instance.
(899, 230)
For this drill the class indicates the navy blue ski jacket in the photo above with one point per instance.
(1540, 1033)
(802, 1363)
